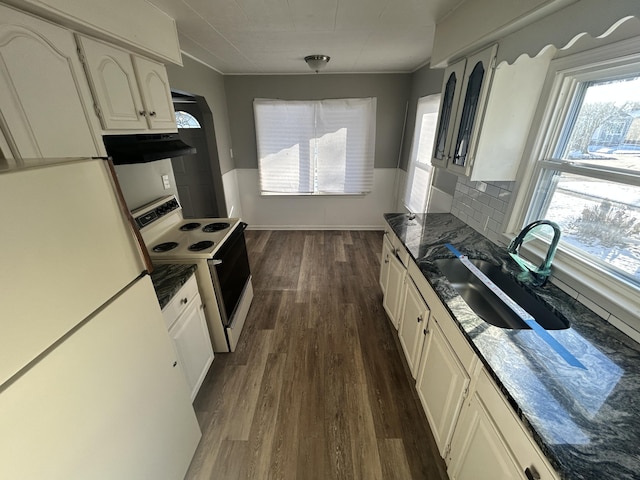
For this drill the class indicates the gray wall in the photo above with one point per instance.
(199, 79)
(142, 183)
(391, 91)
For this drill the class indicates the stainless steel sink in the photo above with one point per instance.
(487, 305)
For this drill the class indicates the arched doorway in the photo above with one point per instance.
(198, 176)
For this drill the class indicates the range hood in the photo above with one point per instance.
(143, 148)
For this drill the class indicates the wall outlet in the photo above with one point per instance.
(165, 182)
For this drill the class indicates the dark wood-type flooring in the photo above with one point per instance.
(318, 387)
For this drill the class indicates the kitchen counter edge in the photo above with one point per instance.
(585, 422)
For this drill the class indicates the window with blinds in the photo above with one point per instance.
(419, 171)
(323, 147)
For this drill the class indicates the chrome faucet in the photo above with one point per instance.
(535, 276)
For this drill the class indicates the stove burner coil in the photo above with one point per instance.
(215, 227)
(165, 247)
(189, 226)
(204, 244)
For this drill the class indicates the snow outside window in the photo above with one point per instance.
(323, 147)
(418, 183)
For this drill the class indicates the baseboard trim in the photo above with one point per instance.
(316, 227)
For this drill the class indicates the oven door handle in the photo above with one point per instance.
(214, 261)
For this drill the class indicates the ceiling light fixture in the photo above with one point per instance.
(317, 62)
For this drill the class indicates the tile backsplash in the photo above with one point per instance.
(482, 205)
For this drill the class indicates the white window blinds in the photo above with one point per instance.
(315, 147)
(419, 171)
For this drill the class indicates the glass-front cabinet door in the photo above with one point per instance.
(451, 88)
(469, 109)
(475, 90)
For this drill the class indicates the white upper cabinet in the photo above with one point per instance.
(473, 98)
(451, 88)
(130, 92)
(156, 93)
(45, 103)
(113, 82)
(486, 114)
(463, 102)
(137, 25)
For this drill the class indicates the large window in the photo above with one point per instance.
(321, 147)
(416, 191)
(588, 175)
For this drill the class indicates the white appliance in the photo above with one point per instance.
(217, 247)
(88, 381)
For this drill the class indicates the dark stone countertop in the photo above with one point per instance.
(587, 422)
(167, 280)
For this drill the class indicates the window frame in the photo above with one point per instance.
(188, 115)
(573, 272)
(366, 164)
(428, 101)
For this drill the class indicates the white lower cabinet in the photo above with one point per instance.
(188, 330)
(442, 385)
(395, 287)
(387, 253)
(413, 325)
(490, 442)
(477, 432)
(478, 451)
(392, 274)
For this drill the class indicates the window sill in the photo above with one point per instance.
(612, 299)
(269, 194)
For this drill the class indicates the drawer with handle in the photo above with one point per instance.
(179, 302)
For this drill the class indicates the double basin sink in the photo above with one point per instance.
(487, 305)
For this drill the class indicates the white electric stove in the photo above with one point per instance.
(217, 247)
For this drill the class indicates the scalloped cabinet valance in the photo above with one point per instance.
(529, 28)
(581, 24)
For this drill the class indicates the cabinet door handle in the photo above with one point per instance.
(152, 114)
(425, 331)
(386, 260)
(175, 364)
(142, 113)
(419, 318)
(531, 473)
(184, 301)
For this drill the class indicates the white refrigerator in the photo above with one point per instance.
(89, 387)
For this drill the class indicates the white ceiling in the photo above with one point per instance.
(274, 36)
